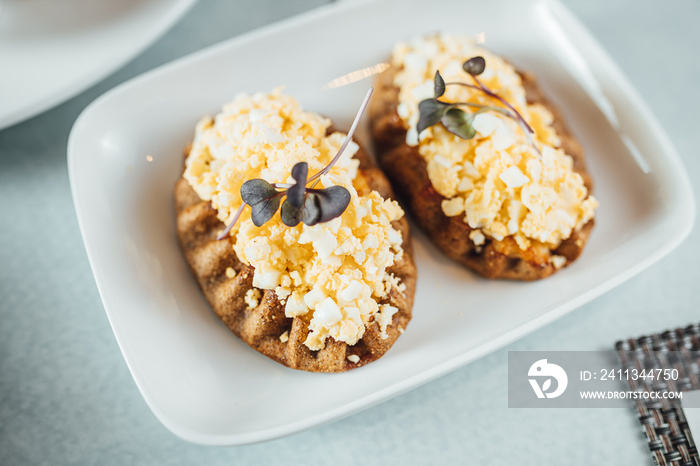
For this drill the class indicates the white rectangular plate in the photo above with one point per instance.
(125, 153)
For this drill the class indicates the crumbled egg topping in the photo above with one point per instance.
(496, 180)
(334, 273)
(252, 298)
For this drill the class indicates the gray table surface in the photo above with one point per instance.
(66, 395)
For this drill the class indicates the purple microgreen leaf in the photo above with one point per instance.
(332, 202)
(430, 111)
(311, 212)
(264, 210)
(227, 230)
(291, 216)
(254, 191)
(439, 85)
(459, 123)
(474, 66)
(347, 140)
(263, 199)
(295, 194)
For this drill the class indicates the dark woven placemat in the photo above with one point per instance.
(663, 421)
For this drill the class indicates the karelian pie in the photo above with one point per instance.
(502, 203)
(323, 298)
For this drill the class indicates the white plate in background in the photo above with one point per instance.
(51, 50)
(204, 384)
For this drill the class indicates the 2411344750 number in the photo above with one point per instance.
(635, 374)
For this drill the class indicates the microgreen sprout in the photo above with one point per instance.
(303, 203)
(458, 121)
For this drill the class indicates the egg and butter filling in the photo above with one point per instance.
(331, 274)
(497, 182)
